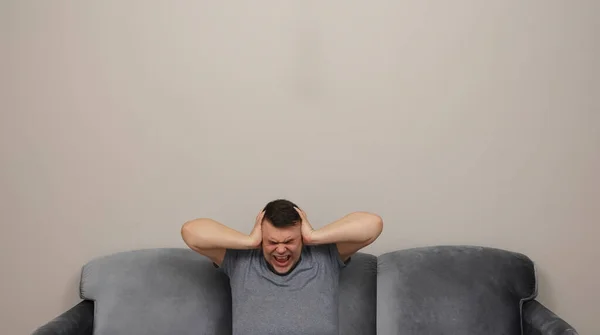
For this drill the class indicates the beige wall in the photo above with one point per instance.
(462, 122)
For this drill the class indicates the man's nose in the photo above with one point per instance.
(280, 249)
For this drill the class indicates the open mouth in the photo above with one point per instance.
(282, 260)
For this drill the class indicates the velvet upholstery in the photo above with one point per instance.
(78, 320)
(453, 290)
(429, 290)
(358, 294)
(538, 320)
(157, 291)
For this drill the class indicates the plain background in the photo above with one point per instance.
(463, 122)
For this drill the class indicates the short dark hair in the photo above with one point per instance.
(281, 213)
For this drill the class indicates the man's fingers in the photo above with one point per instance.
(301, 213)
(260, 216)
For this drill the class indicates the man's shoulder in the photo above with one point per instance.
(318, 248)
(236, 257)
(243, 255)
(326, 252)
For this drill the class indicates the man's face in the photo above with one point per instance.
(282, 247)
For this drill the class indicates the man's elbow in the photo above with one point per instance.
(372, 223)
(377, 226)
(189, 233)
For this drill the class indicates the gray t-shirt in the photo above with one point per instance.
(303, 302)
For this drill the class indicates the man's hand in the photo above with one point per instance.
(307, 229)
(256, 234)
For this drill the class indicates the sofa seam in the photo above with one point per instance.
(530, 297)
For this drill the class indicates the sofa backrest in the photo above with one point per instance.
(430, 290)
(453, 290)
(178, 291)
(358, 296)
(157, 291)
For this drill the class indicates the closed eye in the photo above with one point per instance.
(284, 242)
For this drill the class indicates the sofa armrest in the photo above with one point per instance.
(538, 320)
(78, 320)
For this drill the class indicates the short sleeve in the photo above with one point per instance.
(229, 261)
(335, 257)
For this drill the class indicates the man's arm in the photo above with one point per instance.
(350, 233)
(211, 238)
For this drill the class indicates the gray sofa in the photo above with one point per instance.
(429, 290)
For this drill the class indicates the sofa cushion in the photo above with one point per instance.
(453, 290)
(157, 291)
(358, 294)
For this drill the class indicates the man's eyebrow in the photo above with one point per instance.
(284, 241)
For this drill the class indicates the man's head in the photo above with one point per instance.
(282, 235)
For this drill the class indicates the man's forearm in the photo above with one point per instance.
(358, 227)
(210, 234)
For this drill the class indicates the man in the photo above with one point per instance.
(284, 275)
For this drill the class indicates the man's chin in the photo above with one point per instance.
(282, 268)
